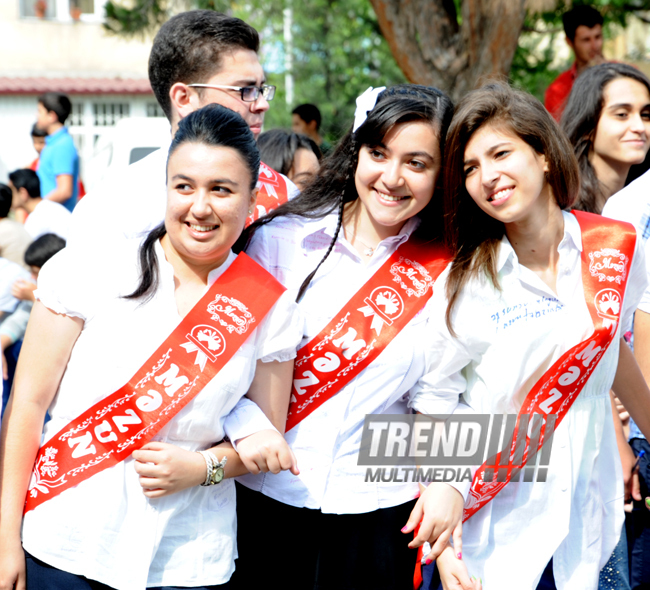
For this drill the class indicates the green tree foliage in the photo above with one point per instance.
(532, 66)
(338, 50)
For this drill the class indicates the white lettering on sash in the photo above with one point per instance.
(102, 429)
(588, 353)
(83, 446)
(327, 363)
(545, 406)
(348, 344)
(121, 421)
(300, 384)
(171, 380)
(149, 404)
(570, 377)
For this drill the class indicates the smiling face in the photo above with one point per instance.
(208, 199)
(505, 176)
(395, 180)
(622, 135)
(239, 68)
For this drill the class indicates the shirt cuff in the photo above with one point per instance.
(245, 419)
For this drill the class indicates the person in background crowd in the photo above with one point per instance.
(294, 155)
(607, 121)
(38, 140)
(198, 57)
(58, 166)
(583, 26)
(13, 328)
(13, 237)
(44, 216)
(306, 119)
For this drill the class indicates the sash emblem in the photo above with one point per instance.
(608, 306)
(207, 342)
(386, 298)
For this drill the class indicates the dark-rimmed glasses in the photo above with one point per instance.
(248, 93)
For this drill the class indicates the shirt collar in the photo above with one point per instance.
(56, 135)
(214, 274)
(572, 238)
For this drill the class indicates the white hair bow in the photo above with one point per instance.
(365, 103)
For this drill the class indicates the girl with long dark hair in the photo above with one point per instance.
(375, 197)
(607, 121)
(119, 513)
(534, 316)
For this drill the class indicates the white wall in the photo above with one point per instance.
(51, 47)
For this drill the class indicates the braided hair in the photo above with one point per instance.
(334, 185)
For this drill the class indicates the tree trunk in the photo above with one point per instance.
(432, 48)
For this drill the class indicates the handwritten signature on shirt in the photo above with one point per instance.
(524, 312)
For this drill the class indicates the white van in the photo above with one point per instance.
(130, 140)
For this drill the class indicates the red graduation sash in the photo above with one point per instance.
(368, 322)
(605, 270)
(272, 193)
(190, 357)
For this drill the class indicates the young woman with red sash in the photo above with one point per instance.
(537, 299)
(145, 521)
(376, 194)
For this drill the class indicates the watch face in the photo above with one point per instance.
(217, 476)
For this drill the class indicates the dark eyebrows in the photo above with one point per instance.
(249, 82)
(620, 105)
(490, 151)
(219, 181)
(420, 155)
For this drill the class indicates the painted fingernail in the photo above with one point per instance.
(404, 528)
(480, 580)
(459, 555)
(428, 561)
(647, 502)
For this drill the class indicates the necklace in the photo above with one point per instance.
(369, 251)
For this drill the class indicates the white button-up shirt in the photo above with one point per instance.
(326, 442)
(505, 342)
(105, 528)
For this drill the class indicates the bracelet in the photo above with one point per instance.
(214, 468)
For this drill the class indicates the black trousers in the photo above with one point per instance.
(638, 524)
(304, 549)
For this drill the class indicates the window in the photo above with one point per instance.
(38, 8)
(107, 114)
(77, 114)
(63, 10)
(154, 110)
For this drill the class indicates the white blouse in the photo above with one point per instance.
(327, 441)
(505, 341)
(105, 528)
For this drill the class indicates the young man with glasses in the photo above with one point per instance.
(197, 58)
